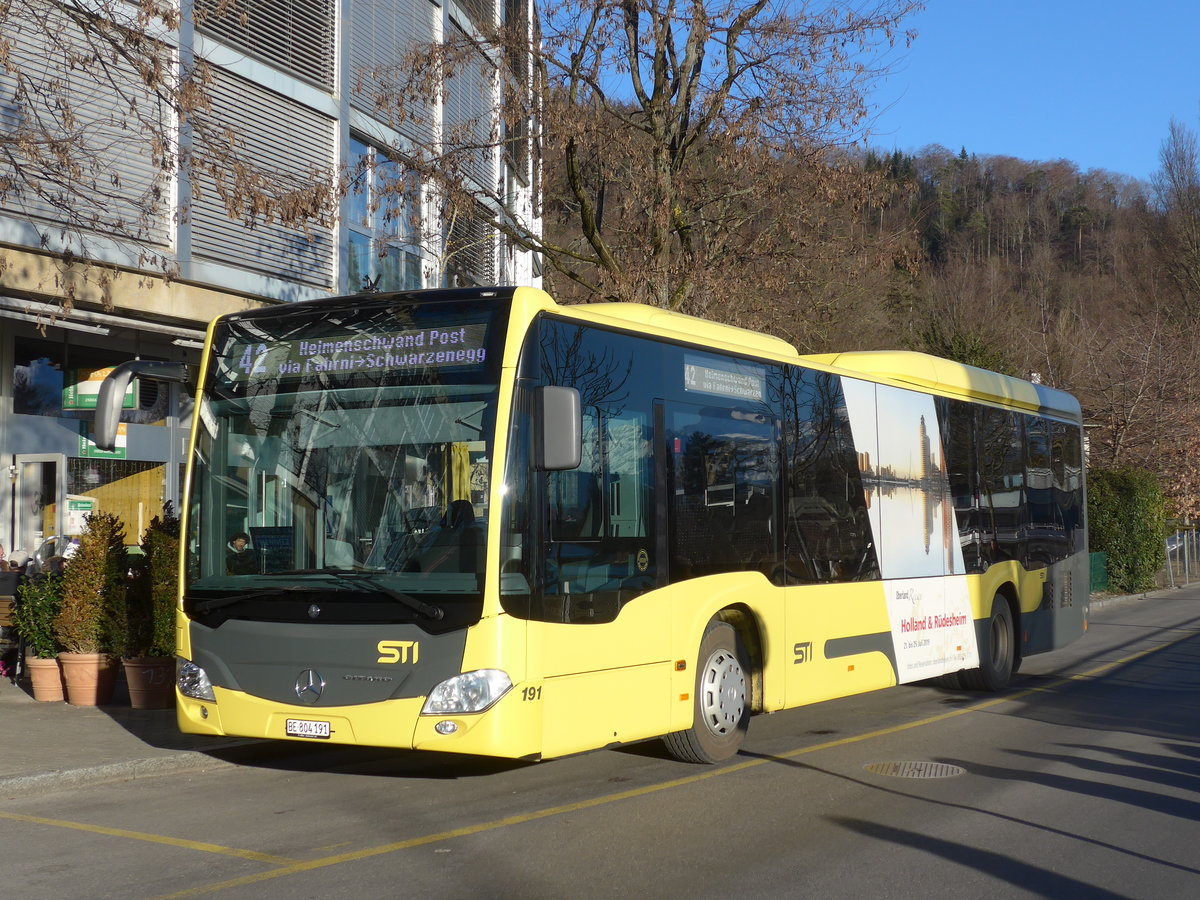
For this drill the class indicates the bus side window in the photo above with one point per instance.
(1066, 458)
(828, 528)
(576, 501)
(1002, 476)
(599, 554)
(1041, 535)
(956, 421)
(725, 470)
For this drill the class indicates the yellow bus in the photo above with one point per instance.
(477, 521)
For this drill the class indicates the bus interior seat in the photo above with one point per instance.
(456, 546)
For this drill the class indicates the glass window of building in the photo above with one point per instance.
(383, 221)
(58, 475)
(56, 379)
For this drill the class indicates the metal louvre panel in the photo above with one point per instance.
(278, 134)
(470, 118)
(119, 187)
(519, 62)
(482, 13)
(295, 36)
(381, 33)
(472, 248)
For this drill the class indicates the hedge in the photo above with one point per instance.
(1127, 520)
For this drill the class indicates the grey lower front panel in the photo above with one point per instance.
(353, 663)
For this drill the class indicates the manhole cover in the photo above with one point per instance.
(918, 769)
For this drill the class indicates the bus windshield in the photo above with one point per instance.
(345, 454)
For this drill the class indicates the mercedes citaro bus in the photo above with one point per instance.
(480, 522)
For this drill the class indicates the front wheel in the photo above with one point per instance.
(721, 702)
(997, 652)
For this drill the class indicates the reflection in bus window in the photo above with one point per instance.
(957, 422)
(828, 530)
(597, 552)
(1017, 482)
(724, 471)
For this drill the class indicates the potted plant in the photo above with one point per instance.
(90, 625)
(150, 647)
(38, 600)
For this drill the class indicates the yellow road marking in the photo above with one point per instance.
(152, 838)
(293, 867)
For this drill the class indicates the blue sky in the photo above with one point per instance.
(1096, 83)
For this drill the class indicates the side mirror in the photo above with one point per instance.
(560, 428)
(112, 393)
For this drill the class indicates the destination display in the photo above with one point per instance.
(455, 345)
(699, 375)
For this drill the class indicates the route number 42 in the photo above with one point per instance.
(252, 360)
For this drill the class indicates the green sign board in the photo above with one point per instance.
(82, 387)
(77, 511)
(89, 450)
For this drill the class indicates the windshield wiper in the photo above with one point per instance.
(356, 579)
(207, 606)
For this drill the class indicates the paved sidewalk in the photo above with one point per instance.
(51, 746)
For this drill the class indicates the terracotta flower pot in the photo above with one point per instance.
(90, 677)
(151, 681)
(47, 678)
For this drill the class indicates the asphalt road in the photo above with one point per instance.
(1082, 780)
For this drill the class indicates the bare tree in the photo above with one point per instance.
(1177, 191)
(684, 143)
(686, 131)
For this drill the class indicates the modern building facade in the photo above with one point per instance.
(298, 84)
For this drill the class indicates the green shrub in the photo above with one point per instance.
(153, 594)
(1127, 520)
(38, 602)
(93, 614)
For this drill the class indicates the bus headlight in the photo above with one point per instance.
(193, 681)
(470, 692)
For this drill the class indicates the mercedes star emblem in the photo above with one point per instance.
(309, 686)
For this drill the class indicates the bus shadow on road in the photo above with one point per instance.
(373, 761)
(998, 866)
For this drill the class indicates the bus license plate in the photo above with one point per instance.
(306, 728)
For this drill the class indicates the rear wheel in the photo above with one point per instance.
(997, 652)
(721, 701)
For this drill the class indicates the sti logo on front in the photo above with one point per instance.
(392, 652)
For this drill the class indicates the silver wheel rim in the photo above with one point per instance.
(722, 692)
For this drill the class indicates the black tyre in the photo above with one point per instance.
(721, 701)
(997, 652)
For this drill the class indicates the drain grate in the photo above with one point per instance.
(918, 769)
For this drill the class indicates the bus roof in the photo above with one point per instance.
(687, 328)
(947, 377)
(919, 370)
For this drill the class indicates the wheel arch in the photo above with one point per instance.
(749, 629)
(1008, 592)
